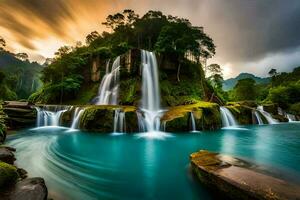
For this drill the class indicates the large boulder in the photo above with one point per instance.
(29, 189)
(6, 155)
(238, 179)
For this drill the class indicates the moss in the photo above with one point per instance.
(242, 113)
(206, 115)
(100, 118)
(8, 174)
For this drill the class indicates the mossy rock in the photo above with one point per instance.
(8, 174)
(206, 115)
(271, 108)
(101, 118)
(243, 114)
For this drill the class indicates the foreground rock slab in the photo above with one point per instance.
(238, 180)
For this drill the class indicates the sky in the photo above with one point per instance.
(251, 35)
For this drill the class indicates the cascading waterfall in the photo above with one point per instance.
(76, 118)
(227, 117)
(267, 115)
(50, 115)
(150, 105)
(193, 123)
(258, 118)
(119, 121)
(109, 88)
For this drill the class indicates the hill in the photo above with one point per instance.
(230, 83)
(20, 76)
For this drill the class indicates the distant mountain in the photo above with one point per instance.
(230, 83)
(22, 77)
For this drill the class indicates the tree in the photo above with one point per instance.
(216, 76)
(114, 21)
(62, 51)
(91, 37)
(2, 43)
(273, 72)
(2, 77)
(245, 89)
(22, 56)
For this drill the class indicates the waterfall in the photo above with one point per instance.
(291, 118)
(227, 117)
(50, 115)
(193, 123)
(109, 88)
(76, 118)
(150, 105)
(119, 121)
(258, 118)
(267, 115)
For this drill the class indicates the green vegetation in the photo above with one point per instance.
(2, 125)
(283, 91)
(178, 44)
(18, 76)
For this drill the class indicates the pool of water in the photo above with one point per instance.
(87, 166)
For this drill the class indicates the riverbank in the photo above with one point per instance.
(14, 183)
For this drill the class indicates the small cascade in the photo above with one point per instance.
(291, 118)
(109, 88)
(267, 115)
(141, 122)
(227, 117)
(164, 125)
(193, 123)
(258, 118)
(76, 118)
(119, 121)
(150, 105)
(50, 115)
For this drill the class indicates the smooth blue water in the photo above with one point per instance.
(86, 166)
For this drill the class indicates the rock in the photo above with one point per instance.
(8, 174)
(29, 189)
(206, 115)
(22, 173)
(6, 155)
(238, 179)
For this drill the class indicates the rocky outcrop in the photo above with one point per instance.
(19, 114)
(6, 155)
(14, 184)
(206, 115)
(101, 118)
(238, 179)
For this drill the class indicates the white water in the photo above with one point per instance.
(150, 104)
(258, 118)
(227, 117)
(193, 123)
(267, 115)
(119, 121)
(76, 118)
(291, 118)
(50, 115)
(109, 88)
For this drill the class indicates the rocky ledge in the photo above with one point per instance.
(238, 179)
(14, 184)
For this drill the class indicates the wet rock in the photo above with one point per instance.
(29, 189)
(238, 179)
(6, 155)
(8, 174)
(206, 115)
(22, 173)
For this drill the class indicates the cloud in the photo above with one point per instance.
(245, 31)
